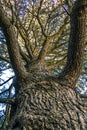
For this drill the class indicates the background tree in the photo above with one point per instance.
(36, 35)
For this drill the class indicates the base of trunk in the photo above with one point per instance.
(44, 104)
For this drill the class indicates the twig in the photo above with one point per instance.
(7, 80)
(4, 91)
(66, 10)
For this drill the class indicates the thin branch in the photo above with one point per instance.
(70, 6)
(23, 32)
(7, 80)
(83, 95)
(43, 50)
(7, 90)
(42, 28)
(25, 57)
(41, 3)
(8, 109)
(4, 59)
(4, 91)
(7, 100)
(62, 27)
(29, 49)
(4, 69)
(66, 10)
(50, 38)
(26, 40)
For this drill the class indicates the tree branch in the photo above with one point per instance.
(41, 26)
(12, 44)
(58, 34)
(7, 81)
(4, 59)
(77, 41)
(23, 33)
(83, 95)
(26, 40)
(4, 92)
(50, 38)
(25, 57)
(39, 21)
(7, 100)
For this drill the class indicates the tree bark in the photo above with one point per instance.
(76, 45)
(44, 101)
(12, 44)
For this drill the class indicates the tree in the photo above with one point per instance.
(43, 99)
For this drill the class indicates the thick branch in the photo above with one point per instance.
(12, 44)
(76, 45)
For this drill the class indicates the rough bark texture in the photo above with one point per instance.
(76, 46)
(45, 101)
(44, 104)
(12, 44)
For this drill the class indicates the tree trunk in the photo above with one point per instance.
(42, 103)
